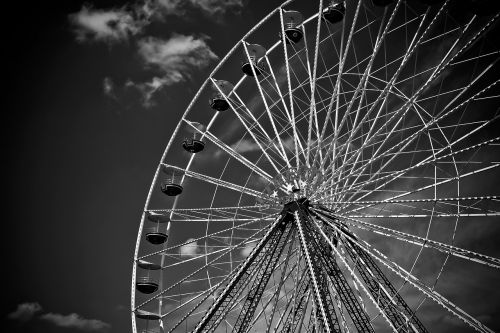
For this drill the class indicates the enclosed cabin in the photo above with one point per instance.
(382, 3)
(334, 11)
(292, 19)
(192, 143)
(171, 184)
(219, 101)
(254, 53)
(145, 282)
(157, 234)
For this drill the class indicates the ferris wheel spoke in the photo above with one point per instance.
(306, 103)
(244, 211)
(374, 297)
(289, 83)
(250, 60)
(410, 138)
(475, 58)
(369, 203)
(391, 83)
(339, 76)
(312, 109)
(397, 174)
(361, 87)
(256, 123)
(220, 232)
(443, 64)
(404, 143)
(413, 216)
(277, 88)
(231, 152)
(282, 99)
(425, 242)
(442, 182)
(218, 182)
(200, 269)
(205, 295)
(242, 121)
(415, 282)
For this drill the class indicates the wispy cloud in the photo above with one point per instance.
(191, 249)
(245, 145)
(108, 87)
(209, 7)
(109, 25)
(74, 320)
(245, 252)
(25, 312)
(175, 58)
(118, 24)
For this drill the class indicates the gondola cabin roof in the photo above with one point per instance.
(195, 127)
(256, 51)
(292, 16)
(144, 264)
(225, 86)
(141, 314)
(157, 217)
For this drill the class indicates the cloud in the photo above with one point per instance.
(208, 7)
(189, 250)
(175, 58)
(245, 146)
(248, 248)
(118, 24)
(25, 311)
(176, 54)
(74, 320)
(108, 87)
(110, 25)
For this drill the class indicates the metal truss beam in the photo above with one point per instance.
(358, 315)
(390, 301)
(298, 310)
(325, 308)
(241, 278)
(268, 264)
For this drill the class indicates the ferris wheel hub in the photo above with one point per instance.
(291, 185)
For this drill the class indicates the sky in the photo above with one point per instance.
(94, 92)
(83, 139)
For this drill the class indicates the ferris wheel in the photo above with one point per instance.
(336, 172)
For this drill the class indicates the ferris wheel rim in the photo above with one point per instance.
(184, 119)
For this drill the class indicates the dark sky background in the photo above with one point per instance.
(79, 162)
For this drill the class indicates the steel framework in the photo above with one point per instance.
(351, 168)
